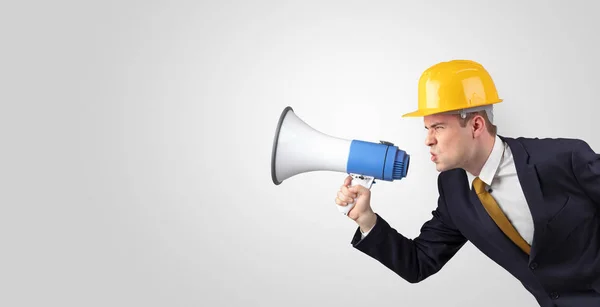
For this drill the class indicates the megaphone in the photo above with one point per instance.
(298, 148)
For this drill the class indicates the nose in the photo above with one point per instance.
(429, 139)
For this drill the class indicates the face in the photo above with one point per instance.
(450, 144)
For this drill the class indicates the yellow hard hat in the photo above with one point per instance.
(454, 85)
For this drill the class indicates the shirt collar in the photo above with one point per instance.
(491, 164)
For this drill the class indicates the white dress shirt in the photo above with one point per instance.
(500, 174)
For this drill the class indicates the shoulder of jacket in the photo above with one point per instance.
(451, 175)
(547, 144)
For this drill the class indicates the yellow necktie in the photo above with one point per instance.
(492, 208)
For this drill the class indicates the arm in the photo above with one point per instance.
(414, 260)
(586, 167)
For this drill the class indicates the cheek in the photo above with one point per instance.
(449, 150)
(461, 151)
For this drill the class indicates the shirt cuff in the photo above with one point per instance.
(364, 234)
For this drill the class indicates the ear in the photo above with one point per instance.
(478, 125)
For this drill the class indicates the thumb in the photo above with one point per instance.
(348, 181)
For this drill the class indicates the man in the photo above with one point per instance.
(529, 204)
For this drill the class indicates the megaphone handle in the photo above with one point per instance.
(365, 181)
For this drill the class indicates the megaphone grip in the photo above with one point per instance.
(357, 179)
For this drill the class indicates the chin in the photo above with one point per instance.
(442, 167)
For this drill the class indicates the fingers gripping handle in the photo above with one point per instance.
(365, 181)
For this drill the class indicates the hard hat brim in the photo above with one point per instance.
(419, 113)
(425, 112)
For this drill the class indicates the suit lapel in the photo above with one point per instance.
(527, 174)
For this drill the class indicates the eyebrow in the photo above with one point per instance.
(435, 125)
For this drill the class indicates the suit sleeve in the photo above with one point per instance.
(416, 259)
(586, 167)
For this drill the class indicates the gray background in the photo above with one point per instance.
(136, 143)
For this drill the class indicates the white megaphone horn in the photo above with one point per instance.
(298, 148)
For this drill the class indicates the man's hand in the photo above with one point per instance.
(361, 213)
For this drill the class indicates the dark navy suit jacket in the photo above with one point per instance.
(561, 182)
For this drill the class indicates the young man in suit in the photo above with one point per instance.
(529, 204)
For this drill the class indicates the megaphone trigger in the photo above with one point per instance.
(357, 179)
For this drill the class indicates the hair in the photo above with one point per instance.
(491, 128)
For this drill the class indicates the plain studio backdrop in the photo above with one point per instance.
(137, 137)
